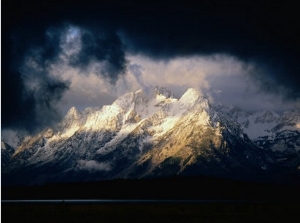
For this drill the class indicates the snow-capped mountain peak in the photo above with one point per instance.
(73, 113)
(142, 134)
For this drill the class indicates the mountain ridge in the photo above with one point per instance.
(152, 135)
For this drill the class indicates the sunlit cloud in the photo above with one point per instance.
(206, 73)
(222, 78)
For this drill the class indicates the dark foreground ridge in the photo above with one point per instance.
(174, 188)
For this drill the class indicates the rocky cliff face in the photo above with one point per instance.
(150, 135)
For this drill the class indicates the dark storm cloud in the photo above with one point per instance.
(32, 43)
(101, 45)
(83, 45)
(263, 32)
(29, 94)
(23, 107)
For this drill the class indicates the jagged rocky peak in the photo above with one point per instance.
(6, 153)
(4, 146)
(162, 91)
(142, 97)
(48, 133)
(266, 117)
(73, 117)
(124, 101)
(12, 138)
(73, 113)
(193, 96)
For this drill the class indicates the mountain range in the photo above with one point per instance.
(153, 134)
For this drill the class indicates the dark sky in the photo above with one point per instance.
(40, 35)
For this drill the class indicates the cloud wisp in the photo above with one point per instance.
(92, 165)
